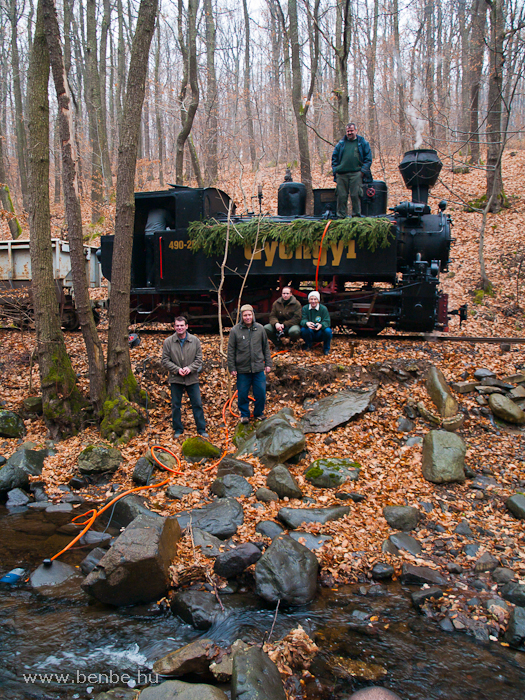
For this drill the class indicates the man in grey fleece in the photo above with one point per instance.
(249, 361)
(182, 356)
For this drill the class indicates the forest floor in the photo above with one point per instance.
(391, 471)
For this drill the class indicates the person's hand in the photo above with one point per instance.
(267, 370)
(182, 372)
(279, 327)
(310, 325)
(318, 326)
(233, 373)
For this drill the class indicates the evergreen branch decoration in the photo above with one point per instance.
(371, 233)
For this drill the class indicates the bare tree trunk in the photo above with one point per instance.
(57, 156)
(189, 55)
(158, 119)
(371, 75)
(247, 96)
(400, 80)
(95, 354)
(62, 402)
(495, 102)
(5, 195)
(21, 140)
(343, 38)
(106, 160)
(477, 51)
(212, 98)
(122, 385)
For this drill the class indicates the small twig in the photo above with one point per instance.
(273, 623)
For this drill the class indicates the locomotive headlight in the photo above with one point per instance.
(442, 205)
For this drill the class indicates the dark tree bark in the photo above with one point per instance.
(21, 139)
(188, 48)
(247, 95)
(476, 54)
(104, 32)
(95, 354)
(158, 118)
(122, 385)
(212, 98)
(61, 399)
(57, 158)
(5, 194)
(343, 37)
(495, 104)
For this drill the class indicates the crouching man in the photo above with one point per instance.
(315, 323)
(182, 356)
(285, 318)
(249, 361)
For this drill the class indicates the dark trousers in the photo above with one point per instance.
(324, 335)
(257, 380)
(194, 392)
(349, 184)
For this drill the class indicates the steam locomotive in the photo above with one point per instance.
(395, 286)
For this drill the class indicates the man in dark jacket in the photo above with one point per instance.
(182, 356)
(285, 318)
(315, 323)
(249, 361)
(351, 161)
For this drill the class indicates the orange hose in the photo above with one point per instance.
(320, 251)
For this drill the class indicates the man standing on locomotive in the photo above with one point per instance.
(351, 161)
(249, 361)
(182, 356)
(285, 318)
(315, 323)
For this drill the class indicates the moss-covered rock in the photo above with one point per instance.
(122, 420)
(33, 404)
(99, 458)
(328, 473)
(11, 425)
(242, 432)
(197, 448)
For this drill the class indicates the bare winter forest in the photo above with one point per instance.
(236, 88)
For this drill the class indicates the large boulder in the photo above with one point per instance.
(294, 517)
(283, 483)
(136, 568)
(235, 561)
(12, 477)
(33, 404)
(516, 505)
(126, 509)
(440, 393)
(96, 459)
(220, 518)
(191, 658)
(178, 690)
(275, 440)
(256, 677)
(443, 457)
(515, 634)
(329, 473)
(514, 592)
(401, 517)
(54, 575)
(421, 575)
(230, 465)
(504, 408)
(336, 409)
(287, 571)
(31, 461)
(231, 485)
(11, 425)
(196, 448)
(143, 471)
(201, 609)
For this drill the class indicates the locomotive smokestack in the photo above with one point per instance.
(420, 170)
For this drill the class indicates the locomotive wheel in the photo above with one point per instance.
(70, 320)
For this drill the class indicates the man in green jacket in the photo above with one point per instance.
(182, 356)
(285, 318)
(315, 323)
(249, 361)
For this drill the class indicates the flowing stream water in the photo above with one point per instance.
(58, 643)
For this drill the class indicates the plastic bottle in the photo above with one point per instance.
(13, 576)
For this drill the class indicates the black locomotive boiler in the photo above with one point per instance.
(395, 286)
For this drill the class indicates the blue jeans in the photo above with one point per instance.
(257, 380)
(310, 336)
(194, 392)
